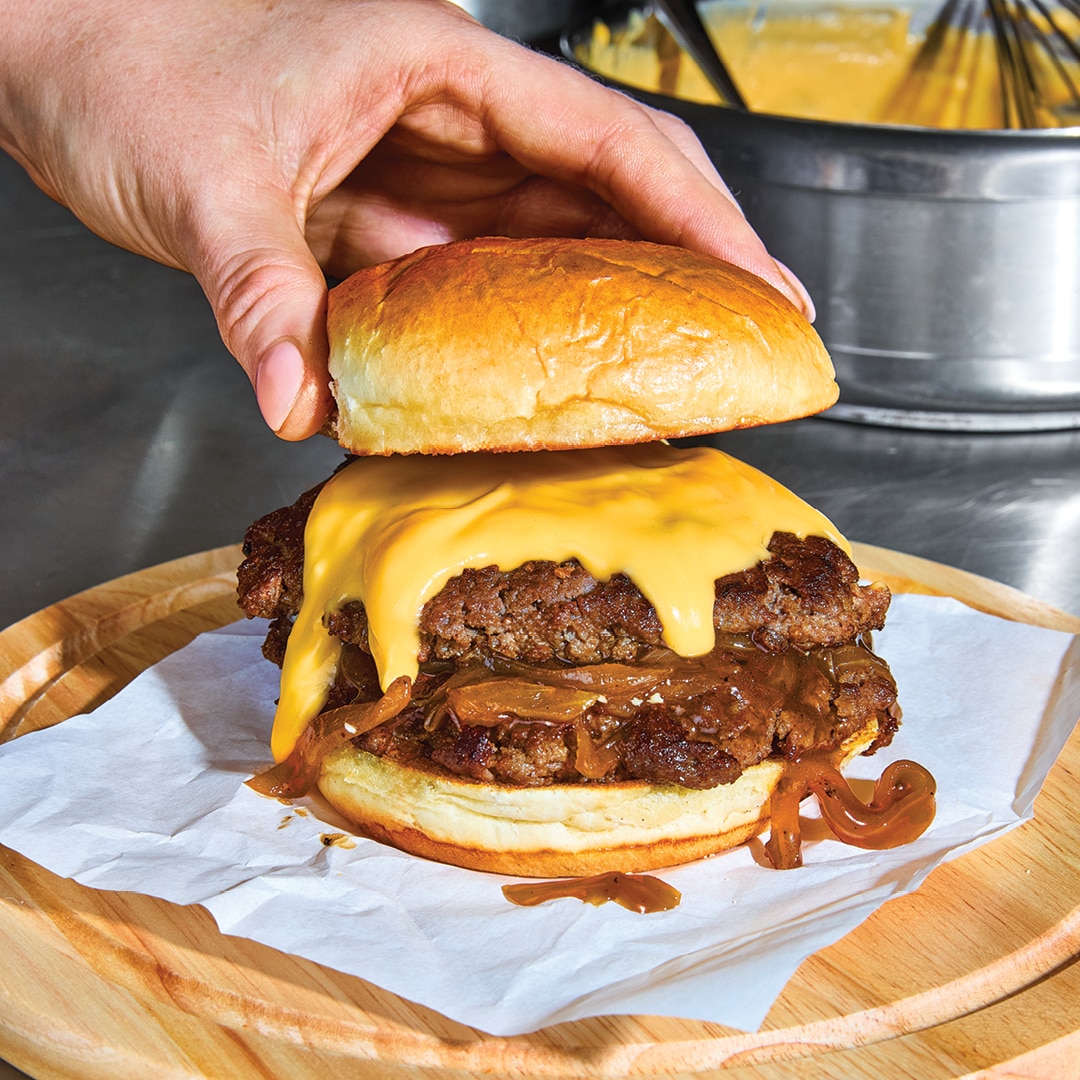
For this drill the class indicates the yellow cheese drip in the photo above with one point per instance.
(390, 532)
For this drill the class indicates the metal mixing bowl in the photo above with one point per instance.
(945, 265)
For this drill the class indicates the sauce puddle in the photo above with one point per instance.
(635, 892)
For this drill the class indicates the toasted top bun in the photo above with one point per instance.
(555, 831)
(503, 344)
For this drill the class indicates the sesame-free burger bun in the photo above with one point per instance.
(506, 344)
(553, 831)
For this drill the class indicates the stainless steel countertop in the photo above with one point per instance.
(128, 436)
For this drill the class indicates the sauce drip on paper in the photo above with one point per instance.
(635, 892)
(901, 810)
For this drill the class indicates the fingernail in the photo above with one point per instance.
(801, 296)
(278, 381)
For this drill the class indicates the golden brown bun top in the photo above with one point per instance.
(505, 344)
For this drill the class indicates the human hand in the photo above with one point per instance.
(258, 144)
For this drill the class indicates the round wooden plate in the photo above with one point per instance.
(973, 969)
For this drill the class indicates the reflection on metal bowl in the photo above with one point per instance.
(530, 20)
(945, 265)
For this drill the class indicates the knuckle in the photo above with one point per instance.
(249, 289)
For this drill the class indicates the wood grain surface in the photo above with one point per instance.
(972, 975)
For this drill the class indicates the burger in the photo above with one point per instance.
(519, 629)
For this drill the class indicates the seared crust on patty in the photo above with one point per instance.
(806, 594)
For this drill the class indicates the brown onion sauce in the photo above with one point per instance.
(900, 811)
(487, 693)
(297, 774)
(593, 701)
(635, 892)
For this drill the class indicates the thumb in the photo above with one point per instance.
(269, 297)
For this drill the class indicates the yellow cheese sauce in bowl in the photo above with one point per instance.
(847, 62)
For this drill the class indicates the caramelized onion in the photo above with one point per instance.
(592, 761)
(435, 705)
(784, 847)
(597, 678)
(623, 687)
(901, 809)
(494, 689)
(635, 892)
(496, 699)
(841, 662)
(299, 772)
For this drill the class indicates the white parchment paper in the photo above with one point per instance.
(146, 794)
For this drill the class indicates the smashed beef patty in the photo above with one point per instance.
(807, 593)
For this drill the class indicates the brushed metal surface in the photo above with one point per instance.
(945, 265)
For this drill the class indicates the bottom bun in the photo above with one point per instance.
(563, 830)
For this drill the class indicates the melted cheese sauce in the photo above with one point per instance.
(841, 61)
(821, 62)
(390, 532)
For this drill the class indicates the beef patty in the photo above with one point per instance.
(792, 671)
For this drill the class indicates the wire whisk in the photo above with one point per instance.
(994, 64)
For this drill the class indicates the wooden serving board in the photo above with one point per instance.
(973, 970)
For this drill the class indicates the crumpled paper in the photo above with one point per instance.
(146, 794)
